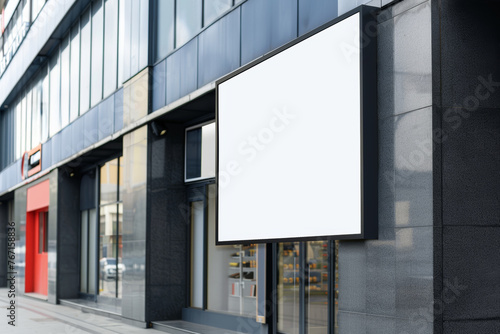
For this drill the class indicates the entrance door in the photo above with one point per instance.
(40, 256)
(305, 287)
(37, 236)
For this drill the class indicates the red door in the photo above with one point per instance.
(40, 281)
(37, 207)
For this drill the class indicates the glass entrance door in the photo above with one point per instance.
(303, 284)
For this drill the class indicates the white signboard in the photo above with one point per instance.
(289, 134)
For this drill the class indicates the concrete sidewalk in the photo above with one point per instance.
(36, 316)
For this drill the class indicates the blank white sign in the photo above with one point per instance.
(289, 142)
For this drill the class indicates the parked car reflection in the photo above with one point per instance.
(107, 267)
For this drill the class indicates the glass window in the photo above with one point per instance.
(17, 109)
(213, 9)
(23, 123)
(200, 152)
(92, 251)
(29, 117)
(197, 251)
(45, 231)
(119, 246)
(37, 7)
(65, 82)
(97, 53)
(316, 286)
(231, 272)
(85, 62)
(188, 20)
(75, 73)
(36, 113)
(41, 232)
(110, 46)
(143, 33)
(164, 28)
(120, 179)
(304, 273)
(111, 267)
(108, 247)
(288, 287)
(109, 185)
(121, 41)
(55, 81)
(45, 104)
(193, 153)
(26, 11)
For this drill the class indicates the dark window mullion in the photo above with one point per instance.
(88, 251)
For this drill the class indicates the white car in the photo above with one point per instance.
(108, 268)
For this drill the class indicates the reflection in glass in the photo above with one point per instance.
(111, 267)
(55, 81)
(75, 73)
(108, 247)
(188, 20)
(288, 287)
(23, 124)
(120, 178)
(232, 272)
(109, 178)
(119, 246)
(97, 52)
(92, 250)
(46, 232)
(28, 120)
(316, 287)
(65, 66)
(213, 9)
(45, 104)
(110, 46)
(85, 62)
(36, 113)
(303, 272)
(164, 28)
(40, 233)
(121, 39)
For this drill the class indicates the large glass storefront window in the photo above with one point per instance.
(111, 267)
(101, 266)
(224, 278)
(231, 271)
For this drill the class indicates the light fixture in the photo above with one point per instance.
(158, 128)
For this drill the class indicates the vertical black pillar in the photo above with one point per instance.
(68, 224)
(166, 246)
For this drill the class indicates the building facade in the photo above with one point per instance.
(108, 154)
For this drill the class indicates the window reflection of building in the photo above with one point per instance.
(110, 230)
(101, 231)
